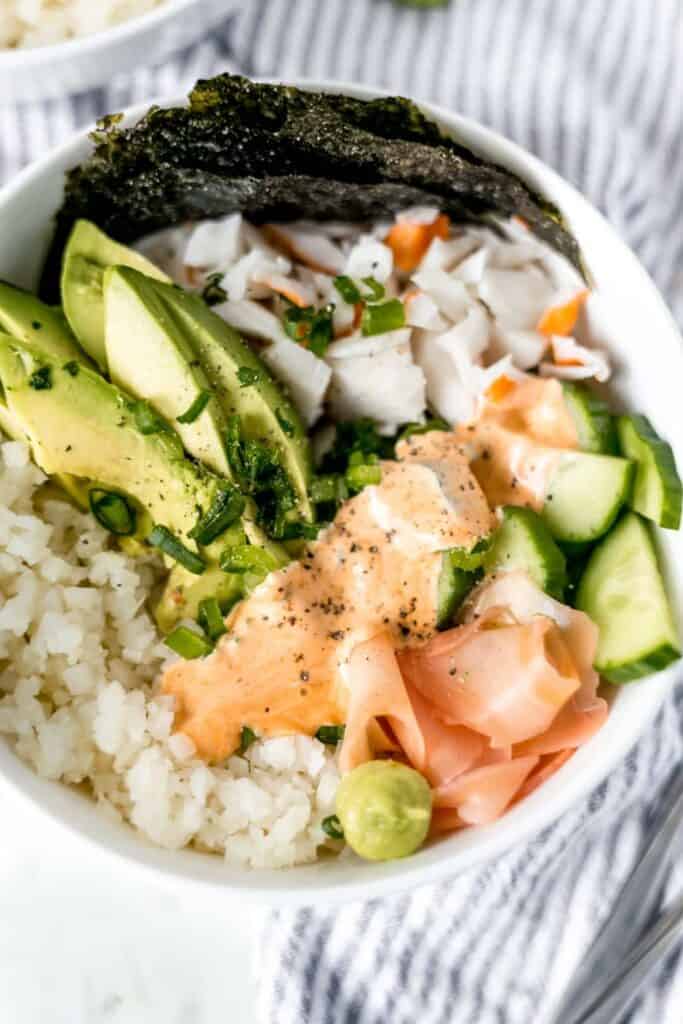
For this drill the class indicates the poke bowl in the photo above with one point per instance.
(459, 575)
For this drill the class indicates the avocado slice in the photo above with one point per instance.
(183, 592)
(266, 414)
(84, 426)
(149, 354)
(87, 254)
(34, 322)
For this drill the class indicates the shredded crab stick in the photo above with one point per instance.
(561, 319)
(279, 668)
(409, 240)
(313, 249)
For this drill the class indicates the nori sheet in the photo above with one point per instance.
(279, 153)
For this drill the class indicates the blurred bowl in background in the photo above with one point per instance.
(48, 72)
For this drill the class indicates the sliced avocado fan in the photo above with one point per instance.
(87, 255)
(84, 426)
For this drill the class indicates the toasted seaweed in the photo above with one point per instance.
(279, 153)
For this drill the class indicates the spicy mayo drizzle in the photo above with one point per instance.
(280, 668)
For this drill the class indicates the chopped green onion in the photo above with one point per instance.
(210, 618)
(297, 529)
(422, 428)
(330, 734)
(147, 420)
(213, 293)
(41, 380)
(320, 332)
(71, 368)
(376, 289)
(167, 542)
(247, 737)
(247, 376)
(347, 289)
(196, 409)
(328, 488)
(286, 427)
(226, 509)
(461, 558)
(331, 826)
(187, 643)
(388, 316)
(358, 477)
(112, 511)
(245, 558)
(309, 326)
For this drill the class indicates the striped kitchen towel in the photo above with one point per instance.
(595, 88)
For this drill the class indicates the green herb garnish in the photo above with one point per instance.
(330, 734)
(388, 316)
(309, 326)
(213, 293)
(112, 511)
(286, 426)
(331, 487)
(41, 379)
(422, 428)
(247, 737)
(226, 509)
(377, 290)
(348, 289)
(258, 469)
(362, 471)
(187, 643)
(297, 529)
(165, 541)
(210, 618)
(247, 376)
(331, 826)
(245, 558)
(71, 368)
(196, 408)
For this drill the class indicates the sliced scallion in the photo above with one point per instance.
(331, 487)
(247, 558)
(196, 409)
(210, 618)
(348, 289)
(331, 826)
(187, 643)
(227, 507)
(246, 376)
(422, 428)
(147, 421)
(330, 734)
(376, 289)
(247, 737)
(162, 538)
(41, 379)
(112, 511)
(380, 319)
(358, 477)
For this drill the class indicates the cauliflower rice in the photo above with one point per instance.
(79, 659)
(27, 23)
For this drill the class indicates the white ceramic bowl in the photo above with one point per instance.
(46, 72)
(629, 319)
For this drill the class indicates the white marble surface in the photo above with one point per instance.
(81, 945)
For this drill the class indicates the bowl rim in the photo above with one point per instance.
(93, 41)
(523, 822)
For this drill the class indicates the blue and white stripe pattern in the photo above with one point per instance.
(595, 88)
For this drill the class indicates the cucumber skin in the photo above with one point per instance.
(595, 425)
(654, 660)
(516, 517)
(568, 537)
(664, 464)
(454, 586)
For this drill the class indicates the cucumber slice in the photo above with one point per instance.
(594, 422)
(657, 488)
(585, 495)
(623, 593)
(523, 541)
(454, 585)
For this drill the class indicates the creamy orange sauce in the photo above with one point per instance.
(280, 668)
(515, 444)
